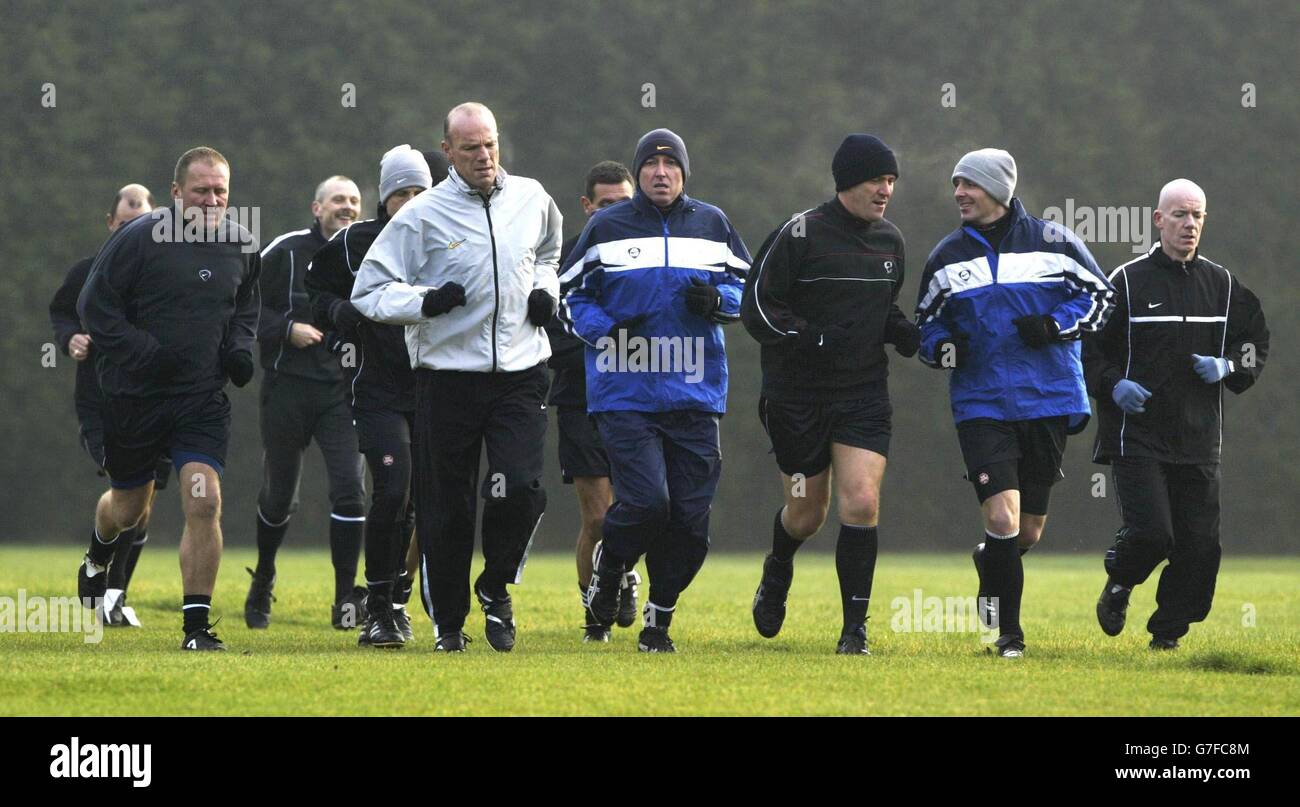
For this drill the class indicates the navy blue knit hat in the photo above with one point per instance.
(661, 141)
(859, 158)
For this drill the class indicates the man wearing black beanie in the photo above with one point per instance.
(822, 302)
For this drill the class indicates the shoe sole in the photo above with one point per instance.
(1102, 613)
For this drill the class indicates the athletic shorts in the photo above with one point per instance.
(138, 432)
(581, 451)
(1023, 455)
(382, 429)
(802, 433)
(92, 440)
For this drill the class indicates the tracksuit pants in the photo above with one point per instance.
(665, 468)
(1170, 511)
(456, 414)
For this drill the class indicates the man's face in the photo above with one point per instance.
(604, 194)
(339, 206)
(868, 200)
(400, 197)
(130, 206)
(660, 178)
(1180, 221)
(207, 189)
(471, 146)
(975, 204)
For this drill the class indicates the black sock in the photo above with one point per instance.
(658, 616)
(345, 551)
(269, 538)
(1025, 549)
(121, 554)
(380, 588)
(196, 608)
(783, 545)
(100, 551)
(1004, 578)
(133, 557)
(855, 563)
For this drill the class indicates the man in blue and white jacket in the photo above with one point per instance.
(647, 287)
(1003, 302)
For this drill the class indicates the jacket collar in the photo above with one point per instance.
(837, 209)
(642, 203)
(464, 188)
(1161, 258)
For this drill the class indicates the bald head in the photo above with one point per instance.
(470, 143)
(131, 201)
(1180, 218)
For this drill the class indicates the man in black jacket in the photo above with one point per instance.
(171, 306)
(1184, 328)
(822, 301)
(583, 461)
(305, 396)
(383, 396)
(130, 202)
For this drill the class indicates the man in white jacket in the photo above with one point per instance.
(470, 268)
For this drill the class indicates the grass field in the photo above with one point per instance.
(302, 667)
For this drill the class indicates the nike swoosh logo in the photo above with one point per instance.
(454, 244)
(1154, 305)
(663, 148)
(860, 599)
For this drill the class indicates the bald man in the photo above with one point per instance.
(129, 202)
(1184, 329)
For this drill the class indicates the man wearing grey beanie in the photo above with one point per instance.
(1003, 301)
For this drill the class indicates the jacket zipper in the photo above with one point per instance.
(496, 286)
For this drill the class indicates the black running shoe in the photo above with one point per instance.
(498, 620)
(451, 642)
(602, 592)
(381, 629)
(1163, 643)
(403, 622)
(1009, 646)
(202, 639)
(91, 589)
(115, 613)
(350, 613)
(1112, 607)
(627, 599)
(769, 600)
(655, 640)
(257, 606)
(853, 642)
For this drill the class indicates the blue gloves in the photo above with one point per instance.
(1210, 369)
(1129, 396)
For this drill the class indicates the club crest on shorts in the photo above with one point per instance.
(388, 459)
(984, 478)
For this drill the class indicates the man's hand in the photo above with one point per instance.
(905, 337)
(1037, 330)
(1130, 396)
(346, 316)
(79, 346)
(303, 335)
(823, 340)
(702, 299)
(239, 366)
(629, 325)
(541, 307)
(443, 299)
(953, 351)
(335, 342)
(1211, 370)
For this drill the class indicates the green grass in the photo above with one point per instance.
(303, 667)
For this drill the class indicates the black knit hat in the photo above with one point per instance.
(859, 158)
(661, 141)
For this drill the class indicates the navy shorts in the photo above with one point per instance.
(138, 432)
(1023, 455)
(581, 451)
(802, 433)
(92, 440)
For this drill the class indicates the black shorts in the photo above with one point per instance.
(92, 440)
(138, 432)
(581, 451)
(802, 433)
(1023, 455)
(384, 430)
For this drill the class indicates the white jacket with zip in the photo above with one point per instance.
(499, 251)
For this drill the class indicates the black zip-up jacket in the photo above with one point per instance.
(86, 396)
(1165, 311)
(285, 301)
(150, 291)
(382, 379)
(568, 360)
(822, 268)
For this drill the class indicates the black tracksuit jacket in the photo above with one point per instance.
(285, 301)
(1165, 311)
(822, 268)
(87, 397)
(568, 360)
(148, 291)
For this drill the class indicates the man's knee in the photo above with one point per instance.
(203, 507)
(860, 507)
(803, 517)
(1001, 515)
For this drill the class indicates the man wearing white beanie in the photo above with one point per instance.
(1003, 301)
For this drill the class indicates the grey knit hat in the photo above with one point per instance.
(402, 167)
(994, 170)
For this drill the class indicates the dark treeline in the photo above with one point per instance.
(1100, 103)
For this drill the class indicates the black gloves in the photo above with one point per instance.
(957, 347)
(1037, 330)
(905, 337)
(541, 307)
(702, 299)
(630, 325)
(239, 366)
(346, 316)
(442, 300)
(825, 339)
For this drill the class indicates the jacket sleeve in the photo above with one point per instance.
(1104, 350)
(1246, 339)
(931, 314)
(63, 308)
(580, 287)
(241, 332)
(102, 303)
(383, 291)
(764, 309)
(546, 269)
(895, 317)
(273, 328)
(731, 283)
(329, 281)
(1086, 309)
